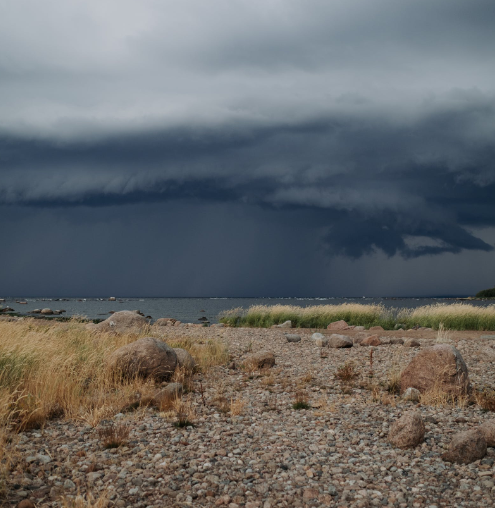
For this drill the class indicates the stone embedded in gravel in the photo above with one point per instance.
(372, 340)
(261, 360)
(412, 343)
(408, 431)
(147, 358)
(338, 325)
(488, 431)
(396, 340)
(357, 340)
(376, 328)
(319, 339)
(184, 359)
(292, 337)
(339, 341)
(466, 447)
(440, 367)
(359, 328)
(412, 394)
(124, 321)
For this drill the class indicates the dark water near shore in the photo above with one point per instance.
(189, 310)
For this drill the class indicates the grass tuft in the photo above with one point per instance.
(113, 435)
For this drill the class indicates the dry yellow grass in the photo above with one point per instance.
(88, 501)
(237, 406)
(52, 370)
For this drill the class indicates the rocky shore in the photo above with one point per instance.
(248, 447)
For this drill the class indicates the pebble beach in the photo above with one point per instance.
(335, 453)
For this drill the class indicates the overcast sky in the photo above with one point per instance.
(247, 148)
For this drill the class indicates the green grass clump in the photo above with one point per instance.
(317, 316)
(458, 316)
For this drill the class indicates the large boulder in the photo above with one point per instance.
(124, 321)
(184, 359)
(338, 325)
(466, 447)
(488, 431)
(338, 341)
(408, 431)
(440, 367)
(46, 312)
(147, 358)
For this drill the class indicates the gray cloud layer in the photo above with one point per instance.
(374, 122)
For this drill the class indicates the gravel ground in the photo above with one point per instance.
(334, 454)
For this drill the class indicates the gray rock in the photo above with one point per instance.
(319, 339)
(396, 340)
(170, 392)
(261, 360)
(412, 394)
(292, 337)
(408, 431)
(147, 358)
(46, 312)
(125, 321)
(488, 431)
(339, 341)
(466, 447)
(184, 359)
(489, 337)
(359, 328)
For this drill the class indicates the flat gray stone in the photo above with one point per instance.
(490, 337)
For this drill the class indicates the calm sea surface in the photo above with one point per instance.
(189, 310)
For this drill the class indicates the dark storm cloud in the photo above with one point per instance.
(368, 127)
(373, 182)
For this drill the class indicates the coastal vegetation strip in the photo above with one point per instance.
(458, 316)
(49, 370)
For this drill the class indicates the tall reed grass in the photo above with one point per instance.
(458, 316)
(316, 316)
